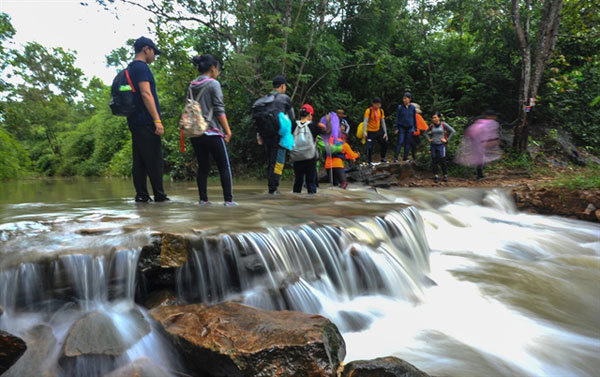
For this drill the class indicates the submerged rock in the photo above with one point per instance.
(382, 367)
(139, 368)
(40, 342)
(96, 334)
(11, 348)
(231, 339)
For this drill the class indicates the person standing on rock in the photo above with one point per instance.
(439, 134)
(208, 92)
(406, 124)
(374, 129)
(145, 125)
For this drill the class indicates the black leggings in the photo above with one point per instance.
(214, 146)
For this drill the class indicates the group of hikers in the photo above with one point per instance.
(307, 140)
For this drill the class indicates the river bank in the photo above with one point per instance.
(562, 192)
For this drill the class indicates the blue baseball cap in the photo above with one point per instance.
(141, 42)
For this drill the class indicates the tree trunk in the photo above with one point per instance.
(545, 43)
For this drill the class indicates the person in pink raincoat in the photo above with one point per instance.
(481, 144)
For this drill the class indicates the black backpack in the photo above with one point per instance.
(265, 117)
(122, 95)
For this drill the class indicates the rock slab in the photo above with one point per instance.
(382, 367)
(231, 339)
(11, 349)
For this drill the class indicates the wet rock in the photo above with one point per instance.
(96, 334)
(381, 175)
(11, 348)
(558, 201)
(173, 250)
(590, 212)
(139, 368)
(597, 213)
(40, 342)
(1, 311)
(382, 367)
(233, 340)
(161, 298)
(93, 231)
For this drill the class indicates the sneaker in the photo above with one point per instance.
(276, 192)
(142, 199)
(204, 202)
(230, 204)
(395, 160)
(162, 199)
(344, 185)
(436, 179)
(479, 178)
(384, 161)
(445, 178)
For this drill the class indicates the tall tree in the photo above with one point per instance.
(535, 54)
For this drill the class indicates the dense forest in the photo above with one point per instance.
(459, 57)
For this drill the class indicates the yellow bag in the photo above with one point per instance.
(359, 132)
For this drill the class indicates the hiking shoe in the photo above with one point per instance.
(436, 179)
(479, 178)
(142, 199)
(230, 204)
(445, 178)
(204, 202)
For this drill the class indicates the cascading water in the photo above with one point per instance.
(499, 294)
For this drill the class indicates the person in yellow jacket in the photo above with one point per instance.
(334, 163)
(375, 130)
(422, 126)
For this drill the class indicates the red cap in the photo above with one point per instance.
(308, 108)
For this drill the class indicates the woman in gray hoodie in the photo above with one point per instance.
(212, 142)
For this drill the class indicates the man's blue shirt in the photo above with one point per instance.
(139, 71)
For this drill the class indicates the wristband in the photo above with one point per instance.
(158, 121)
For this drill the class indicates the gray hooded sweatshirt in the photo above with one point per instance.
(211, 98)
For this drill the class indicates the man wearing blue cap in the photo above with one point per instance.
(145, 124)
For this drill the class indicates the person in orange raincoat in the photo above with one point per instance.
(416, 136)
(334, 163)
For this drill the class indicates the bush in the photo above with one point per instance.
(14, 161)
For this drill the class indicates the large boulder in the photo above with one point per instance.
(40, 343)
(95, 342)
(96, 334)
(231, 339)
(139, 368)
(382, 367)
(11, 348)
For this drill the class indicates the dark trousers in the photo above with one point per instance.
(305, 171)
(404, 137)
(204, 147)
(415, 140)
(376, 136)
(275, 162)
(438, 156)
(479, 171)
(339, 176)
(147, 162)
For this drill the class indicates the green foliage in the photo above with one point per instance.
(579, 179)
(14, 161)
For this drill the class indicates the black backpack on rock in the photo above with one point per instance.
(122, 95)
(265, 117)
